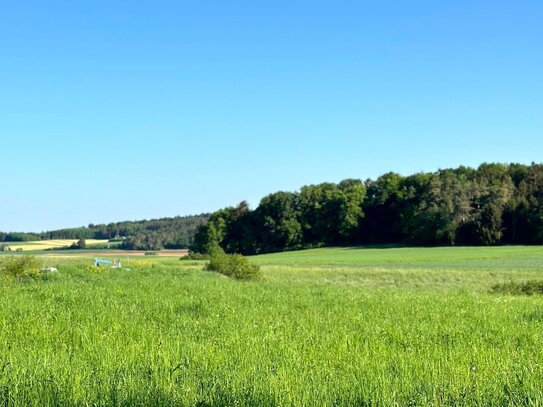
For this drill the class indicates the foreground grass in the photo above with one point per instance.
(325, 327)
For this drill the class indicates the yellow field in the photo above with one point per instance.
(47, 244)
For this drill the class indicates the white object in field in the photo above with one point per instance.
(115, 264)
(49, 270)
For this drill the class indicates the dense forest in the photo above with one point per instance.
(167, 233)
(491, 205)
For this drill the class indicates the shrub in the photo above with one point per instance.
(530, 287)
(80, 244)
(232, 265)
(195, 256)
(21, 267)
(150, 254)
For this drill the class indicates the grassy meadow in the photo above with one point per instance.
(323, 327)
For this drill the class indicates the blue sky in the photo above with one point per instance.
(118, 110)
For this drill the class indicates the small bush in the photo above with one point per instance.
(531, 287)
(21, 267)
(195, 256)
(150, 254)
(233, 265)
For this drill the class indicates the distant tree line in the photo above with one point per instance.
(491, 205)
(156, 234)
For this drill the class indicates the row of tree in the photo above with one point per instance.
(493, 204)
(155, 234)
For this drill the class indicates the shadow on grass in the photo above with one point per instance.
(531, 287)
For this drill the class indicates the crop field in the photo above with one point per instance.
(323, 327)
(48, 244)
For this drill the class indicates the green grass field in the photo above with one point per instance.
(323, 327)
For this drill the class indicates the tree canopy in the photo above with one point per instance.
(493, 204)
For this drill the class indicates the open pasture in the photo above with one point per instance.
(322, 327)
(473, 269)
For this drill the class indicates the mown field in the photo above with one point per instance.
(322, 327)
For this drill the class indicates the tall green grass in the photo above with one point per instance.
(323, 328)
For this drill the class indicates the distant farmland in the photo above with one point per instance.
(95, 248)
(113, 253)
(48, 244)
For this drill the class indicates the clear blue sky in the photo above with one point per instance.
(122, 110)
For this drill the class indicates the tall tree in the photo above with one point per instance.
(279, 218)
